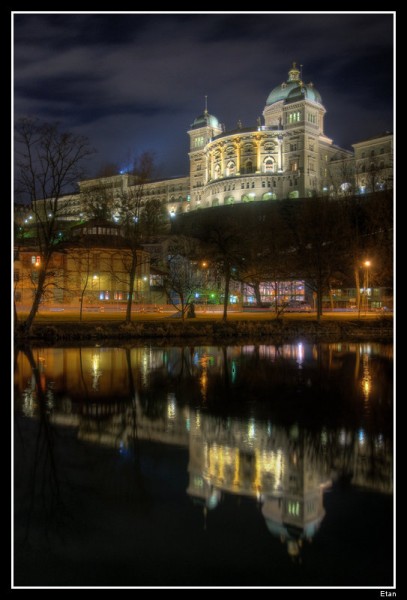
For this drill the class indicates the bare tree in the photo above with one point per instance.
(129, 210)
(265, 255)
(342, 178)
(183, 279)
(48, 164)
(313, 231)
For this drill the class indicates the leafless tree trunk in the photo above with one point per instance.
(48, 164)
(130, 211)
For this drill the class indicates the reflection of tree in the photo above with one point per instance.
(142, 493)
(45, 498)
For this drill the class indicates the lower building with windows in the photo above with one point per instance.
(90, 268)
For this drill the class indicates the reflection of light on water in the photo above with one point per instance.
(251, 430)
(361, 437)
(300, 354)
(96, 372)
(270, 462)
(198, 420)
(171, 406)
(234, 371)
(203, 384)
(203, 380)
(367, 379)
(29, 404)
(342, 437)
(50, 399)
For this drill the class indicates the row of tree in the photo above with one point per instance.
(321, 240)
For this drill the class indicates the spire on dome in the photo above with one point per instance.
(294, 73)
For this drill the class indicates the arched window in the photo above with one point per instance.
(229, 200)
(215, 202)
(231, 168)
(268, 196)
(269, 165)
(217, 172)
(249, 166)
(245, 198)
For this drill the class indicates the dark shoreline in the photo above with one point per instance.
(277, 330)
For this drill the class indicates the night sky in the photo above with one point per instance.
(134, 83)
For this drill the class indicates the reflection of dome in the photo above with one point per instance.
(294, 89)
(291, 529)
(205, 120)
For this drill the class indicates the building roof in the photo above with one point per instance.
(375, 137)
(293, 89)
(205, 120)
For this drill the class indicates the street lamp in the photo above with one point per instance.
(95, 281)
(204, 265)
(366, 264)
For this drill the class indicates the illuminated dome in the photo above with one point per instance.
(294, 89)
(304, 91)
(205, 120)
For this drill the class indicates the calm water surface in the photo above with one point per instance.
(255, 465)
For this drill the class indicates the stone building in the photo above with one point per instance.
(89, 267)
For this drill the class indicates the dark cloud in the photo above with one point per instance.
(134, 82)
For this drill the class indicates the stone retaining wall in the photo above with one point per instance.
(277, 330)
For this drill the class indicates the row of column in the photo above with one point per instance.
(209, 166)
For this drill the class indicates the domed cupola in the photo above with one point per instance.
(293, 89)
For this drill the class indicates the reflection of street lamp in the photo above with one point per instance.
(366, 264)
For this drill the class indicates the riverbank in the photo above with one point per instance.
(278, 330)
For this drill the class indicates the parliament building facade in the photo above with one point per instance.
(287, 156)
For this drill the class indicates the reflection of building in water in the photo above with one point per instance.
(255, 459)
(285, 471)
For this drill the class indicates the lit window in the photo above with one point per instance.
(269, 165)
